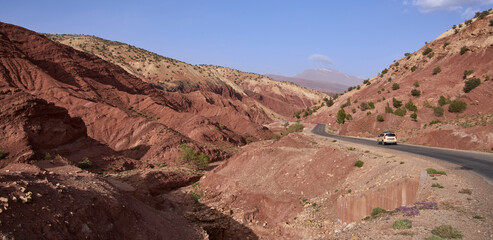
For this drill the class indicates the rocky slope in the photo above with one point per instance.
(440, 69)
(277, 99)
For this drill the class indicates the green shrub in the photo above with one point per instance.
(414, 116)
(414, 68)
(478, 217)
(467, 73)
(364, 106)
(436, 70)
(341, 116)
(471, 84)
(431, 55)
(380, 118)
(377, 211)
(445, 44)
(359, 163)
(457, 106)
(435, 122)
(367, 82)
(416, 84)
(415, 92)
(435, 172)
(396, 103)
(438, 111)
(371, 105)
(410, 106)
(395, 86)
(385, 71)
(427, 51)
(437, 185)
(446, 231)
(297, 114)
(388, 109)
(276, 137)
(400, 112)
(85, 163)
(402, 224)
(188, 155)
(466, 191)
(443, 101)
(463, 50)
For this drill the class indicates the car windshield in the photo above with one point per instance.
(390, 135)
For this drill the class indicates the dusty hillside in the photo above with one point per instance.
(440, 68)
(278, 99)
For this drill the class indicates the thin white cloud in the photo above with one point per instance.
(319, 58)
(463, 6)
(469, 12)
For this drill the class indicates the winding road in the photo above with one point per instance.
(480, 163)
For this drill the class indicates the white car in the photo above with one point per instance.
(387, 138)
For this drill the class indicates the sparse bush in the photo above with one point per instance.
(471, 84)
(435, 172)
(2, 154)
(380, 118)
(437, 185)
(371, 105)
(438, 111)
(364, 106)
(347, 104)
(188, 154)
(402, 224)
(47, 156)
(388, 109)
(445, 44)
(410, 106)
(367, 82)
(443, 101)
(385, 71)
(478, 217)
(414, 68)
(463, 50)
(427, 51)
(296, 127)
(415, 92)
(435, 122)
(457, 106)
(416, 84)
(400, 112)
(85, 163)
(341, 116)
(377, 211)
(396, 103)
(395, 86)
(466, 191)
(467, 73)
(431, 55)
(196, 193)
(446, 231)
(437, 70)
(276, 137)
(297, 114)
(359, 163)
(349, 117)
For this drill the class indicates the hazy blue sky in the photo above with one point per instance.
(280, 37)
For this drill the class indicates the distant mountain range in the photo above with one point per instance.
(322, 79)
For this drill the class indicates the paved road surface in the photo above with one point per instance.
(481, 163)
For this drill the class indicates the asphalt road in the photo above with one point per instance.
(481, 163)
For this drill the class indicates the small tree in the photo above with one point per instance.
(395, 86)
(471, 84)
(380, 118)
(457, 106)
(414, 68)
(341, 116)
(427, 51)
(400, 112)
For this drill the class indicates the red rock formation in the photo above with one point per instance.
(390, 196)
